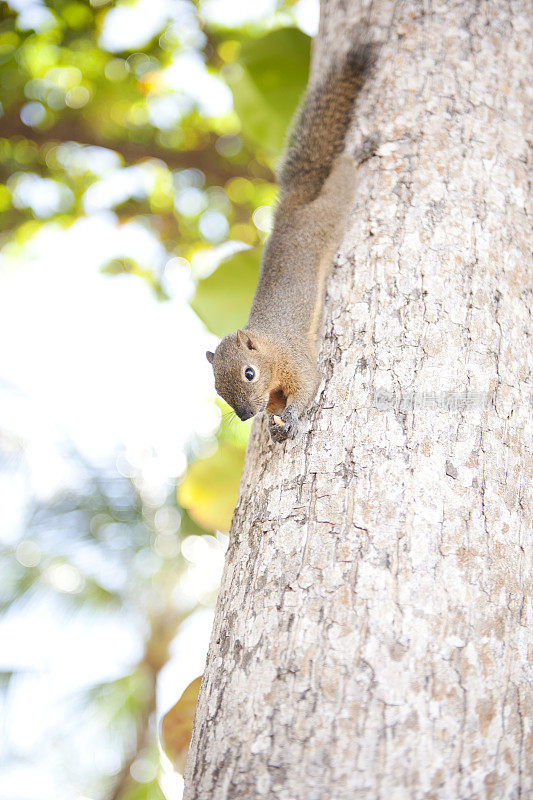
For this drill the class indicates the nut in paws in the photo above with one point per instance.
(284, 427)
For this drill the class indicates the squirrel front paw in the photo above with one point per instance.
(283, 427)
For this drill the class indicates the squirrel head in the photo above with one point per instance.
(244, 371)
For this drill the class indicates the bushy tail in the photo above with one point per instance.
(320, 127)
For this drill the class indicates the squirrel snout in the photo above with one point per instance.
(243, 413)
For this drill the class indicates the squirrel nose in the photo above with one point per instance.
(243, 414)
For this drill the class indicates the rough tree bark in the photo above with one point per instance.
(370, 638)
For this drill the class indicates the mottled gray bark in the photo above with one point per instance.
(370, 638)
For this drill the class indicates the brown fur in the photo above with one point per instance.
(317, 185)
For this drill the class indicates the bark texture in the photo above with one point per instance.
(371, 631)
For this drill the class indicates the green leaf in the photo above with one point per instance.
(210, 488)
(267, 90)
(223, 299)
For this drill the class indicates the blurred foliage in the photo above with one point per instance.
(186, 161)
(158, 115)
(177, 130)
(107, 545)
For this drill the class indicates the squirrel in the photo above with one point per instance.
(271, 363)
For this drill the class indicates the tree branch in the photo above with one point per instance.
(216, 169)
(163, 630)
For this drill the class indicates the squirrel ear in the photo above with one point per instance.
(210, 356)
(245, 340)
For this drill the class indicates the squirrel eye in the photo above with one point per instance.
(249, 373)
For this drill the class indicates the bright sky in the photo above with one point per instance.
(98, 357)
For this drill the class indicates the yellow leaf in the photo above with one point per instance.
(210, 488)
(176, 726)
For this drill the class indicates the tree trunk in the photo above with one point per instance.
(370, 638)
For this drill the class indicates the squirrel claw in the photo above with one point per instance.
(367, 149)
(287, 429)
(277, 432)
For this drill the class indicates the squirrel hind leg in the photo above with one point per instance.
(341, 185)
(338, 190)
